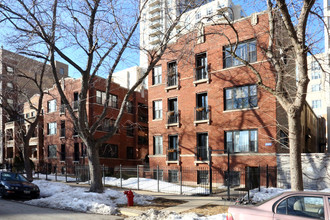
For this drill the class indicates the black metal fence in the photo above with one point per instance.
(182, 180)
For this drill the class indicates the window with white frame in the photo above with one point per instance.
(157, 75)
(158, 145)
(10, 85)
(101, 98)
(113, 101)
(10, 102)
(316, 88)
(61, 70)
(241, 97)
(51, 106)
(157, 109)
(10, 70)
(246, 51)
(129, 107)
(51, 128)
(242, 141)
(198, 15)
(316, 75)
(315, 65)
(98, 97)
(316, 103)
(52, 151)
(209, 11)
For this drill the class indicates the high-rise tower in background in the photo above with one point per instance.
(318, 92)
(159, 14)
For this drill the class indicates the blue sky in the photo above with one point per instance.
(131, 56)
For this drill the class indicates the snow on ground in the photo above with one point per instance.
(152, 185)
(160, 215)
(264, 194)
(61, 196)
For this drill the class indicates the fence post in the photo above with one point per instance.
(267, 177)
(75, 173)
(138, 179)
(46, 171)
(259, 176)
(103, 175)
(66, 172)
(210, 170)
(180, 180)
(55, 170)
(89, 178)
(157, 178)
(121, 178)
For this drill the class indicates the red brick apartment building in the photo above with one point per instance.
(203, 99)
(11, 66)
(59, 143)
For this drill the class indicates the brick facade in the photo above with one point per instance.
(58, 134)
(261, 118)
(12, 65)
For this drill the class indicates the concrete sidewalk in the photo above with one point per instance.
(191, 202)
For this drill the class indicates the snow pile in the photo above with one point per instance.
(62, 196)
(151, 185)
(160, 215)
(264, 194)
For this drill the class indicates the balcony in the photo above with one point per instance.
(105, 128)
(156, 24)
(154, 40)
(75, 105)
(202, 154)
(154, 8)
(143, 118)
(172, 156)
(62, 109)
(142, 140)
(172, 81)
(172, 119)
(202, 115)
(62, 134)
(153, 2)
(155, 16)
(201, 75)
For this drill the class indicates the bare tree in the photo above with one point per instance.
(101, 31)
(287, 44)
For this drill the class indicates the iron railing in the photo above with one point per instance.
(202, 113)
(172, 117)
(172, 155)
(202, 153)
(172, 79)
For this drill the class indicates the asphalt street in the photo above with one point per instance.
(16, 210)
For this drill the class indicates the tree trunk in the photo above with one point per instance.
(94, 168)
(295, 151)
(27, 164)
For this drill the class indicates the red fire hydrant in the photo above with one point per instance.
(129, 194)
